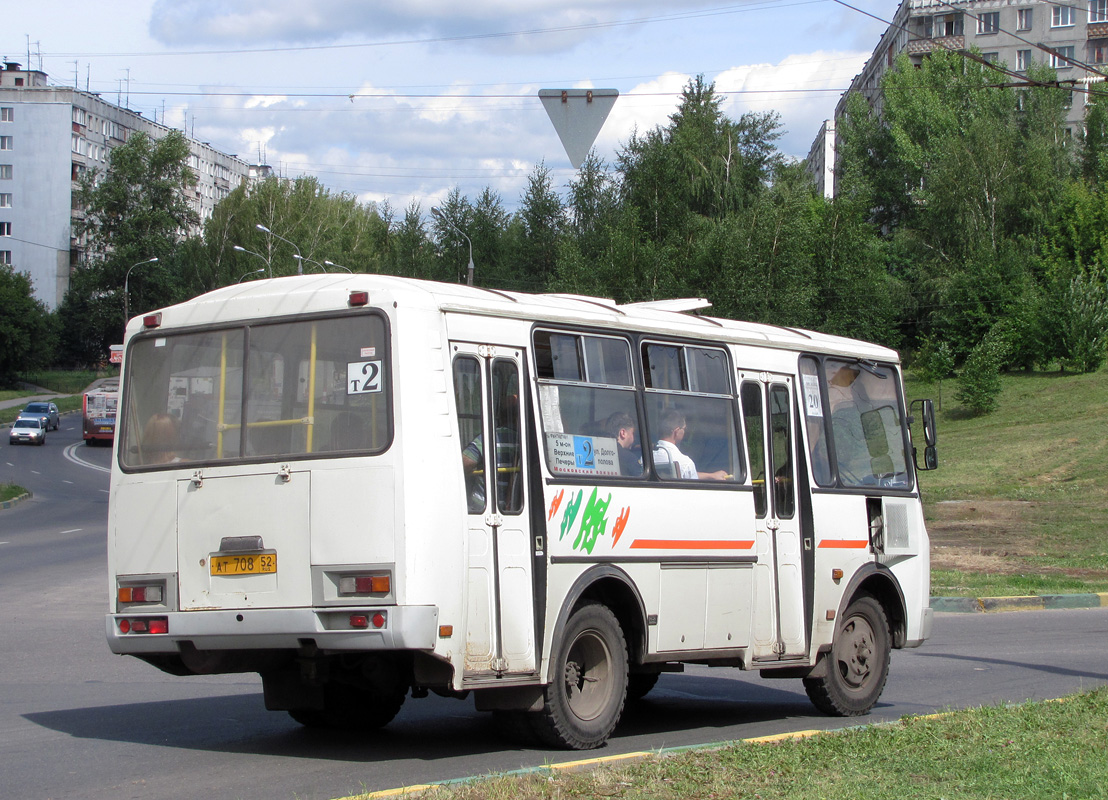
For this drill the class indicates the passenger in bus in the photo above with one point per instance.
(621, 427)
(159, 440)
(668, 458)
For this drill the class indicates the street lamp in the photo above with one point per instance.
(301, 259)
(340, 266)
(256, 255)
(252, 272)
(264, 229)
(444, 218)
(126, 280)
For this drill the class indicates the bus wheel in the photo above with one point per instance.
(858, 662)
(585, 700)
(351, 708)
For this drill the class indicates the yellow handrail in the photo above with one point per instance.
(309, 420)
(220, 425)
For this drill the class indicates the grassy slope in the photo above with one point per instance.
(1020, 499)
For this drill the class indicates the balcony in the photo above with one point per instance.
(1097, 30)
(923, 46)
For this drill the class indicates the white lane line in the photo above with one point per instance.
(70, 454)
(73, 530)
(69, 482)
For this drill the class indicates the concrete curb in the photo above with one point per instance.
(16, 500)
(977, 605)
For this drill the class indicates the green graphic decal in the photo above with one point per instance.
(568, 518)
(593, 523)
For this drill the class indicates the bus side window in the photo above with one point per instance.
(467, 396)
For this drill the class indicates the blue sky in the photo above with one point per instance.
(403, 100)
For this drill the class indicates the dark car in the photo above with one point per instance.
(30, 430)
(46, 411)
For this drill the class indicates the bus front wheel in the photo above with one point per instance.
(585, 700)
(858, 664)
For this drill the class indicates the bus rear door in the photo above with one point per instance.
(500, 629)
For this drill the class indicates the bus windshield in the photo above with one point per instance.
(264, 391)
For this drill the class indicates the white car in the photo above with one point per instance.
(31, 430)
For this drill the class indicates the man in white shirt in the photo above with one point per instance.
(668, 458)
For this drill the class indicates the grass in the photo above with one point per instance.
(64, 404)
(1046, 749)
(67, 381)
(1019, 502)
(9, 491)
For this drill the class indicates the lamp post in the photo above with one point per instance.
(301, 259)
(340, 266)
(299, 266)
(269, 268)
(252, 272)
(126, 281)
(448, 221)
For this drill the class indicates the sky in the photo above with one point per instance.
(401, 101)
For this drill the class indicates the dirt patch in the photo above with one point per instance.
(993, 536)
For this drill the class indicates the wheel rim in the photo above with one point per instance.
(855, 651)
(588, 672)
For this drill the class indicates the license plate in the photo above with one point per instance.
(244, 564)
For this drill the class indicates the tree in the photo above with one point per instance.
(134, 212)
(542, 217)
(27, 336)
(979, 381)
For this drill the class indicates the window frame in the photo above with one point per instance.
(988, 23)
(1025, 19)
(1062, 16)
(243, 328)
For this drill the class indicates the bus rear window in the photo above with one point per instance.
(264, 392)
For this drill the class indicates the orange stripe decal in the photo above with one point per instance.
(690, 544)
(845, 544)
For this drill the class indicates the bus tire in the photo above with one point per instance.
(585, 700)
(858, 663)
(350, 708)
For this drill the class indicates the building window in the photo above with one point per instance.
(1062, 58)
(5, 229)
(990, 22)
(5, 200)
(5, 172)
(6, 143)
(1023, 60)
(1023, 19)
(1098, 51)
(991, 58)
(7, 114)
(6, 257)
(1098, 10)
(1061, 16)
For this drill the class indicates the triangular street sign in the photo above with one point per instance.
(578, 115)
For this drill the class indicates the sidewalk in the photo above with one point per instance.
(978, 605)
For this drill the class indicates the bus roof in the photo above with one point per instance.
(308, 294)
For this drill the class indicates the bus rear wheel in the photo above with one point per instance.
(858, 664)
(585, 700)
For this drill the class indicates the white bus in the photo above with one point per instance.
(98, 409)
(300, 488)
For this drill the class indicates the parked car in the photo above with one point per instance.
(28, 429)
(46, 411)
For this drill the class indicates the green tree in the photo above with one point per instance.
(134, 212)
(979, 380)
(542, 218)
(27, 335)
(1084, 328)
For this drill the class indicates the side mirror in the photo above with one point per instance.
(926, 412)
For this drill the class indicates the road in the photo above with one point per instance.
(78, 722)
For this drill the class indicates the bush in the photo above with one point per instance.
(979, 381)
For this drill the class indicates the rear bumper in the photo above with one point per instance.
(330, 629)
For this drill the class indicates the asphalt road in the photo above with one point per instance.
(78, 722)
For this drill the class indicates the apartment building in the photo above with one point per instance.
(49, 137)
(1010, 32)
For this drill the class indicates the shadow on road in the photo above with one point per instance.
(683, 708)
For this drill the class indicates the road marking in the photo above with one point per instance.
(71, 455)
(35, 472)
(69, 482)
(73, 530)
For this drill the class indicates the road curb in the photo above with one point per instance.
(978, 605)
(16, 500)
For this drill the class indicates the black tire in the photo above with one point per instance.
(350, 708)
(585, 701)
(858, 664)
(639, 684)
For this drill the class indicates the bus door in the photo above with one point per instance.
(500, 625)
(778, 623)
